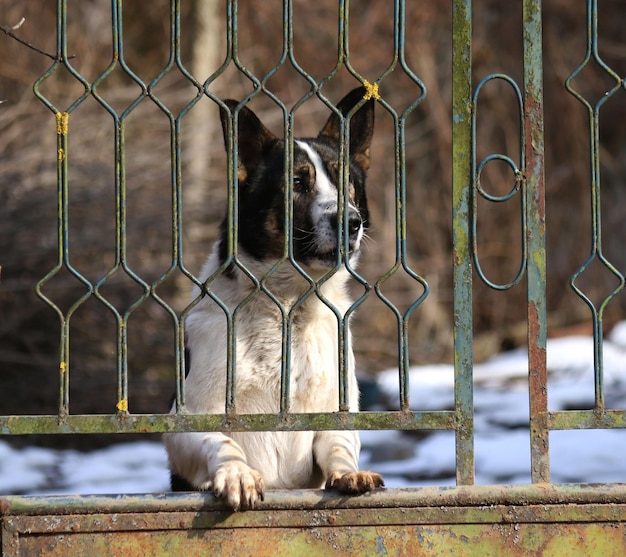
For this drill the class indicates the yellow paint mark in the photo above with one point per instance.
(122, 405)
(371, 91)
(63, 119)
(63, 367)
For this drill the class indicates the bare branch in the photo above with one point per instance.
(10, 32)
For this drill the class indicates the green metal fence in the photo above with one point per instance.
(527, 184)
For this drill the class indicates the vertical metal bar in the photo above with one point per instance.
(233, 212)
(177, 212)
(462, 265)
(288, 121)
(120, 224)
(62, 170)
(176, 195)
(535, 234)
(401, 233)
(62, 179)
(344, 179)
(596, 220)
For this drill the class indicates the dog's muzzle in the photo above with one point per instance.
(355, 224)
(327, 244)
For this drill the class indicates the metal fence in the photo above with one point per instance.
(466, 519)
(527, 183)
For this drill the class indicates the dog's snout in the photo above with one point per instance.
(354, 222)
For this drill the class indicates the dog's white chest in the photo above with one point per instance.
(313, 370)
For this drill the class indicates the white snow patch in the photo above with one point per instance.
(502, 443)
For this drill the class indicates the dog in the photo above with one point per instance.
(238, 466)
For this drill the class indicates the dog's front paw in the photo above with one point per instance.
(238, 485)
(354, 483)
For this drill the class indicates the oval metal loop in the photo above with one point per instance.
(478, 190)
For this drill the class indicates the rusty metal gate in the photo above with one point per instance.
(537, 519)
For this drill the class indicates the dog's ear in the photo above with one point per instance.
(361, 126)
(254, 139)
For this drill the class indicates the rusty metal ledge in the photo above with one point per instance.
(462, 496)
(479, 520)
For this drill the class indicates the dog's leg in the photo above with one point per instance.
(337, 454)
(213, 461)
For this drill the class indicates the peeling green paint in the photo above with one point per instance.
(143, 423)
(482, 520)
(461, 184)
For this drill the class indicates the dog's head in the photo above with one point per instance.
(316, 167)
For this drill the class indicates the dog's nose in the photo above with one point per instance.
(354, 222)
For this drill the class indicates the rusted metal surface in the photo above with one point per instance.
(499, 520)
(587, 419)
(535, 233)
(465, 496)
(306, 538)
(158, 423)
(462, 261)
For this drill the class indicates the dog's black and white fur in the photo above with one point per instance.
(238, 466)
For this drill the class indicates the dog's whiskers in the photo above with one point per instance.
(306, 234)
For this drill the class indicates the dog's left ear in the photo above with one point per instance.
(255, 140)
(361, 126)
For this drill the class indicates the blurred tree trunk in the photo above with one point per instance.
(207, 35)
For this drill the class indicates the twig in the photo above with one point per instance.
(18, 24)
(11, 32)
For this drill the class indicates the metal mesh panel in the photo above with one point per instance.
(527, 184)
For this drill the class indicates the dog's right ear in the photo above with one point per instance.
(361, 126)
(254, 139)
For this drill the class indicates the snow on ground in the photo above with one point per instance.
(501, 418)
(405, 459)
(138, 467)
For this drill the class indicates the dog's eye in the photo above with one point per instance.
(299, 185)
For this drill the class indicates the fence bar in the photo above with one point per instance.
(587, 419)
(461, 187)
(159, 423)
(482, 520)
(482, 498)
(535, 237)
